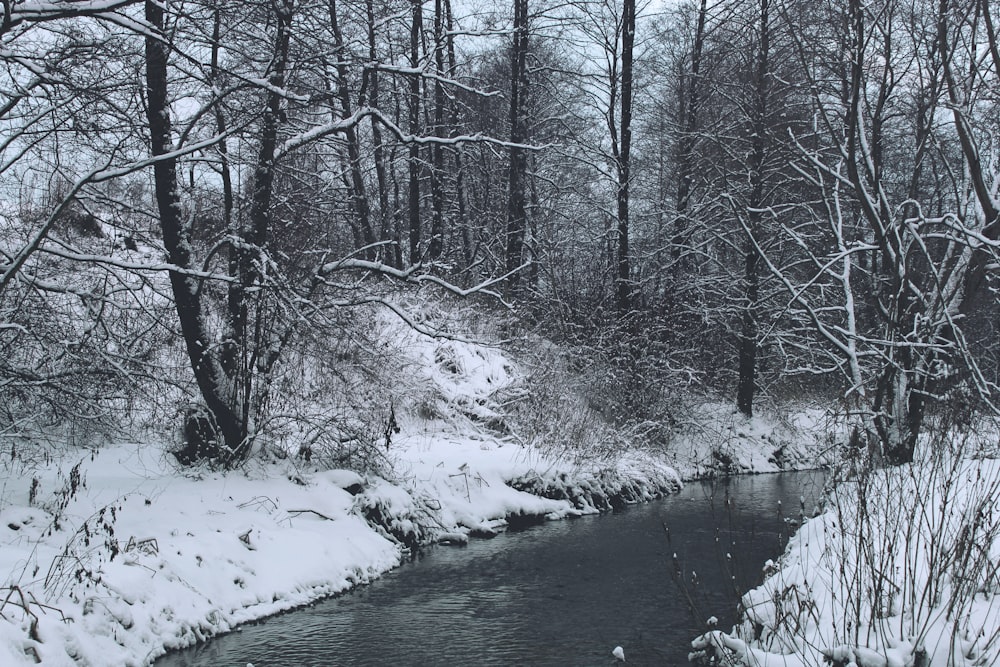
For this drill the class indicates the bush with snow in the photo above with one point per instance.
(900, 569)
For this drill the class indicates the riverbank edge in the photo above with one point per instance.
(588, 494)
(121, 581)
(606, 490)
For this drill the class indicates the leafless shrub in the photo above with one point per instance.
(903, 564)
(591, 401)
(74, 567)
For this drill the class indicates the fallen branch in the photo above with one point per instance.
(308, 511)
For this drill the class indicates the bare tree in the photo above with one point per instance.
(516, 197)
(414, 164)
(73, 305)
(760, 116)
(621, 148)
(902, 267)
(359, 195)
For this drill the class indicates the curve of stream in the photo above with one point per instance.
(561, 593)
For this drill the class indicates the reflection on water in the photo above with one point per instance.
(563, 593)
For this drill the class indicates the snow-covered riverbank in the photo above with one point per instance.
(135, 557)
(901, 569)
(114, 555)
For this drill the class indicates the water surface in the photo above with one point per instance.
(561, 593)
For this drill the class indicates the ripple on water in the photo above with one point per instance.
(563, 593)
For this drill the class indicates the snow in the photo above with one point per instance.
(902, 562)
(197, 556)
(116, 555)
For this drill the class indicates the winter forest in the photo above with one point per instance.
(288, 232)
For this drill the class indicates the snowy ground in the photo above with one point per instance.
(902, 569)
(114, 556)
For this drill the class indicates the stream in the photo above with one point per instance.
(560, 593)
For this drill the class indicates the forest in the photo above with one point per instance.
(307, 246)
(758, 198)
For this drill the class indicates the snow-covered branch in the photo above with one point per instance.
(431, 75)
(37, 12)
(343, 124)
(417, 274)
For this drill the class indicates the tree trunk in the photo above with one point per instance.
(385, 220)
(975, 275)
(462, 222)
(624, 285)
(436, 244)
(414, 161)
(690, 108)
(751, 279)
(252, 251)
(229, 352)
(746, 385)
(898, 411)
(213, 382)
(359, 195)
(516, 206)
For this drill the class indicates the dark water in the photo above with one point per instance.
(562, 593)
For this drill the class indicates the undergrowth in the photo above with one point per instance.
(901, 569)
